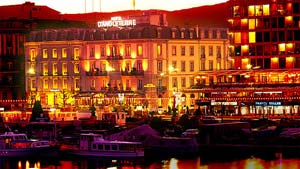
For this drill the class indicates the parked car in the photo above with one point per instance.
(190, 133)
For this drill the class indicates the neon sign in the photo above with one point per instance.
(117, 22)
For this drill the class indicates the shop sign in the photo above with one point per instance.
(213, 103)
(116, 22)
(268, 103)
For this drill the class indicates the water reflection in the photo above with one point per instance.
(172, 163)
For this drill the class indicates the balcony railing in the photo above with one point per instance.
(118, 57)
(96, 73)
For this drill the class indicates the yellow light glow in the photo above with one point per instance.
(275, 60)
(97, 55)
(266, 10)
(86, 66)
(251, 10)
(244, 22)
(281, 47)
(109, 68)
(121, 50)
(251, 24)
(31, 71)
(252, 37)
(133, 55)
(245, 63)
(108, 51)
(288, 19)
(249, 66)
(290, 59)
(145, 65)
(237, 37)
(230, 21)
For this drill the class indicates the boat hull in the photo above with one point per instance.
(30, 152)
(104, 154)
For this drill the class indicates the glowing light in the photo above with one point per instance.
(31, 71)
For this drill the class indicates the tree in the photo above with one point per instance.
(37, 111)
(93, 111)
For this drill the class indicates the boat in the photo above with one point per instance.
(171, 146)
(18, 145)
(94, 145)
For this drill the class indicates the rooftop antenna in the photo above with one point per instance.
(84, 6)
(100, 5)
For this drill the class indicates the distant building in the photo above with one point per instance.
(142, 67)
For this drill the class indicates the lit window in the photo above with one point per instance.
(102, 51)
(76, 84)
(76, 68)
(252, 37)
(64, 69)
(210, 51)
(45, 83)
(174, 82)
(139, 50)
(159, 65)
(76, 53)
(64, 53)
(55, 83)
(127, 50)
(159, 50)
(237, 37)
(251, 24)
(54, 67)
(45, 69)
(266, 10)
(45, 53)
(65, 83)
(211, 64)
(54, 53)
(32, 54)
(251, 10)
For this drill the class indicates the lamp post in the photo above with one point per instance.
(176, 94)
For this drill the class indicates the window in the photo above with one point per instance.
(54, 53)
(140, 84)
(92, 52)
(45, 69)
(127, 50)
(206, 34)
(76, 53)
(202, 48)
(192, 51)
(210, 65)
(182, 66)
(45, 53)
(203, 65)
(76, 68)
(183, 82)
(174, 82)
(192, 66)
(159, 66)
(191, 81)
(182, 34)
(64, 52)
(93, 84)
(45, 83)
(173, 34)
(182, 50)
(210, 51)
(218, 51)
(139, 50)
(32, 55)
(55, 83)
(174, 64)
(102, 51)
(64, 69)
(159, 50)
(65, 83)
(77, 84)
(173, 50)
(54, 69)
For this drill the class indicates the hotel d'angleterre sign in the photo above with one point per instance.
(116, 21)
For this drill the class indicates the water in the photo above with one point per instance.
(272, 162)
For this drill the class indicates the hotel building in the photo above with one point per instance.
(142, 68)
(264, 57)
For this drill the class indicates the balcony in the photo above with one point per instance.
(133, 72)
(118, 57)
(96, 73)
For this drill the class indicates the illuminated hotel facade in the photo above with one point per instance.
(264, 59)
(141, 67)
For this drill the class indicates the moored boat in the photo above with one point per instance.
(18, 145)
(94, 145)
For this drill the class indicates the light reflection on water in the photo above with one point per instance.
(172, 163)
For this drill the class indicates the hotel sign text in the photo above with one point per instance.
(117, 22)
